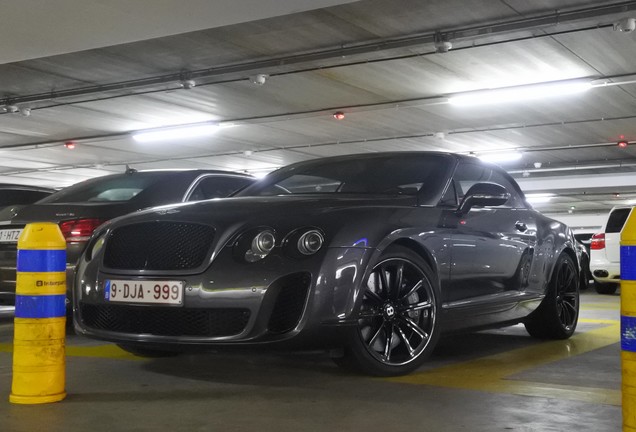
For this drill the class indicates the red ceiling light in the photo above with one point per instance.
(339, 115)
(623, 143)
(69, 145)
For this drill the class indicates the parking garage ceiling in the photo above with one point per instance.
(270, 79)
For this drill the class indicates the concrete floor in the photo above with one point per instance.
(499, 380)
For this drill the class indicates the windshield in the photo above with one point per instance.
(407, 174)
(120, 187)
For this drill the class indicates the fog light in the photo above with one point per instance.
(310, 242)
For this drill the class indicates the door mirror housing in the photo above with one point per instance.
(483, 195)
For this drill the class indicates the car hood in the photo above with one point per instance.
(282, 213)
(278, 207)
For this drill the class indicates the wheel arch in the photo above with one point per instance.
(570, 251)
(417, 248)
(572, 254)
(425, 254)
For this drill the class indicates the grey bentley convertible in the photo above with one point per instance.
(378, 254)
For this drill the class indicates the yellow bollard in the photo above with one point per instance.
(40, 316)
(628, 322)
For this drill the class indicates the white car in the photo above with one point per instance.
(605, 251)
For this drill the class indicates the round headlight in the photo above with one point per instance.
(262, 244)
(310, 242)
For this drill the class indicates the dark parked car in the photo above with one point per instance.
(15, 194)
(81, 208)
(584, 260)
(377, 253)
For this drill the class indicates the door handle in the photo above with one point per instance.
(521, 227)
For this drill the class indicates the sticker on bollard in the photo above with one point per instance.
(40, 316)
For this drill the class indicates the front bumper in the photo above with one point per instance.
(232, 302)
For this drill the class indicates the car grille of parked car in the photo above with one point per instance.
(9, 247)
(290, 302)
(158, 246)
(165, 321)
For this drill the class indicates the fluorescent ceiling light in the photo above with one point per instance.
(519, 93)
(176, 133)
(500, 157)
(539, 198)
(539, 195)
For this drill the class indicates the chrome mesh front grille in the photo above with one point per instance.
(158, 246)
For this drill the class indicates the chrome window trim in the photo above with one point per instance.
(200, 178)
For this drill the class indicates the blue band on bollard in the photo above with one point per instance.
(628, 333)
(42, 306)
(628, 262)
(41, 260)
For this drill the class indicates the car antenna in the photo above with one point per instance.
(130, 170)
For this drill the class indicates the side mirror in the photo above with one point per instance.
(482, 195)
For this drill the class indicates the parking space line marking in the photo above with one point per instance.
(599, 306)
(102, 351)
(491, 373)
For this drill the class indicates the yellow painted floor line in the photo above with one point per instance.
(103, 351)
(600, 306)
(492, 373)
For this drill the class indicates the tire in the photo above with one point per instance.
(557, 315)
(397, 325)
(522, 275)
(584, 283)
(605, 288)
(140, 351)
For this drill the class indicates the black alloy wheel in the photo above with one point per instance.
(397, 326)
(558, 314)
(586, 276)
(567, 298)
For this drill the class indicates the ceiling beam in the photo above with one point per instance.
(335, 55)
(33, 29)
